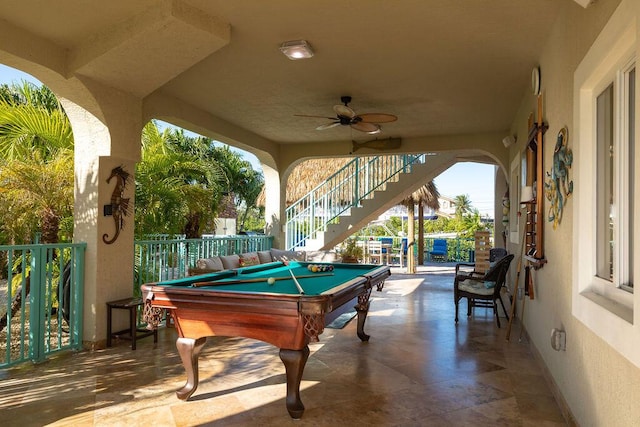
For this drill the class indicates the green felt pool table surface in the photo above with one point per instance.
(312, 283)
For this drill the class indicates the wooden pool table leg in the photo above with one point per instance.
(294, 361)
(189, 350)
(362, 308)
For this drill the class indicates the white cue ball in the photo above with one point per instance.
(271, 280)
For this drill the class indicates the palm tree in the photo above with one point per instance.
(36, 182)
(36, 145)
(176, 191)
(36, 195)
(428, 196)
(463, 205)
(244, 183)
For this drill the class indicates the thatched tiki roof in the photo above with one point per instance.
(310, 173)
(427, 196)
(306, 176)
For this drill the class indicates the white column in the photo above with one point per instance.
(108, 267)
(274, 210)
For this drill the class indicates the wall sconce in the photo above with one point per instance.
(527, 194)
(509, 140)
(296, 49)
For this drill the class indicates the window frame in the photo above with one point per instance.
(608, 310)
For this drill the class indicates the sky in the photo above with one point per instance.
(473, 179)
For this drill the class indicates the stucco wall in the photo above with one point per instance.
(598, 384)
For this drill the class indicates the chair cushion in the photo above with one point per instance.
(230, 261)
(478, 287)
(213, 264)
(248, 259)
(265, 257)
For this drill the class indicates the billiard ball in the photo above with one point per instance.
(271, 280)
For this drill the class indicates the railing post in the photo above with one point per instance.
(356, 189)
(78, 296)
(37, 303)
(312, 217)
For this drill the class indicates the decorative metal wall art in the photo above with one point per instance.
(558, 186)
(119, 207)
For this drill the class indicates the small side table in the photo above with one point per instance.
(133, 333)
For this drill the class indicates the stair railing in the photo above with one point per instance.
(346, 188)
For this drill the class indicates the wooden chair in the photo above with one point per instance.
(401, 253)
(374, 252)
(482, 290)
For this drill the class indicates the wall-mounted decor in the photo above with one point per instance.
(534, 184)
(119, 207)
(506, 204)
(558, 186)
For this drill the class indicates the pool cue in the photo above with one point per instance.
(297, 283)
(257, 280)
(515, 288)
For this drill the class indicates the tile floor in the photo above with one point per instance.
(418, 369)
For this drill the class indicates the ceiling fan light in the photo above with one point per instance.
(296, 49)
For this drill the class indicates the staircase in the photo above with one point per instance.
(356, 194)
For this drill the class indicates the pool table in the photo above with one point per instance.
(245, 303)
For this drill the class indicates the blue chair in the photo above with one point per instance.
(439, 250)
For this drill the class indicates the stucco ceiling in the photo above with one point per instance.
(442, 66)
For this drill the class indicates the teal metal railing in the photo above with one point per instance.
(158, 259)
(345, 189)
(41, 287)
(41, 298)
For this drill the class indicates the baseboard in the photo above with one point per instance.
(557, 394)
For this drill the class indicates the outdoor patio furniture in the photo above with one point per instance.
(439, 250)
(482, 290)
(497, 253)
(132, 333)
(375, 253)
(401, 253)
(387, 246)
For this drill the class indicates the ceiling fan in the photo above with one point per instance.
(345, 116)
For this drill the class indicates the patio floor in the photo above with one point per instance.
(419, 368)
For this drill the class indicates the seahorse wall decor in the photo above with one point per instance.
(558, 187)
(119, 205)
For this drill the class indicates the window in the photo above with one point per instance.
(605, 162)
(604, 192)
(615, 177)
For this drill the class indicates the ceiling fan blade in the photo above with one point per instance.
(377, 118)
(317, 117)
(366, 127)
(328, 126)
(344, 111)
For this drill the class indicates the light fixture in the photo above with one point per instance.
(296, 49)
(509, 140)
(527, 194)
